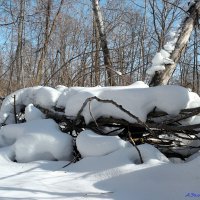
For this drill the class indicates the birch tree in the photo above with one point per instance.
(103, 41)
(190, 21)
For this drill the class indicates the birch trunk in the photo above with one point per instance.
(103, 41)
(162, 77)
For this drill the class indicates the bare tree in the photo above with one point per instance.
(49, 28)
(18, 58)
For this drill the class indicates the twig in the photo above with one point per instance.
(133, 143)
(72, 161)
(183, 115)
(15, 112)
(92, 115)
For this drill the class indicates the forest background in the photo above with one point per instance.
(56, 42)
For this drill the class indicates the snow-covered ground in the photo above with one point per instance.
(113, 176)
(110, 168)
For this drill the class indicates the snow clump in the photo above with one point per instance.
(33, 113)
(37, 140)
(91, 144)
(44, 96)
(139, 101)
(163, 57)
(137, 98)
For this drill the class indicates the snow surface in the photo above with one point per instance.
(115, 176)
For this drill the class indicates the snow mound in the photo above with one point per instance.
(44, 96)
(91, 144)
(61, 88)
(47, 97)
(137, 98)
(139, 84)
(121, 157)
(69, 92)
(139, 101)
(37, 140)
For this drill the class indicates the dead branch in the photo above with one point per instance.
(184, 115)
(118, 106)
(165, 135)
(133, 143)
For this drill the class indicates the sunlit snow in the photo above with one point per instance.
(35, 156)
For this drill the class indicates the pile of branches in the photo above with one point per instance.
(161, 130)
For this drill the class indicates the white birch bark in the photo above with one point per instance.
(103, 41)
(162, 77)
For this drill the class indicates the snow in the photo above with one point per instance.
(68, 92)
(114, 176)
(170, 99)
(90, 144)
(37, 140)
(33, 113)
(47, 97)
(44, 96)
(110, 167)
(139, 84)
(159, 60)
(119, 73)
(154, 68)
(137, 98)
(163, 57)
